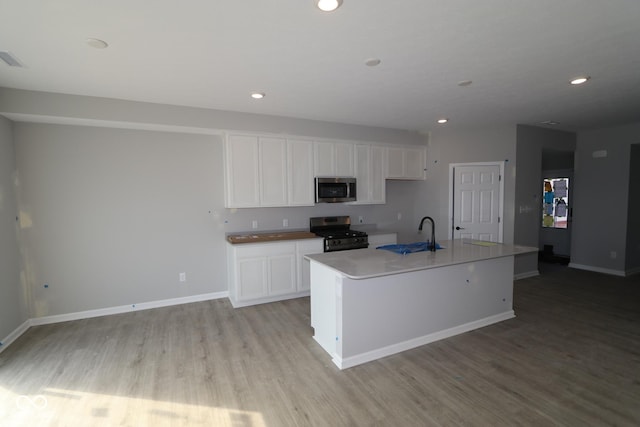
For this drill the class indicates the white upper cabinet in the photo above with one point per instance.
(415, 163)
(267, 172)
(378, 174)
(370, 173)
(300, 168)
(406, 162)
(242, 171)
(334, 159)
(273, 171)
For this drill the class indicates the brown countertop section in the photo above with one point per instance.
(270, 237)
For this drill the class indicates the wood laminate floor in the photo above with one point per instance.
(571, 357)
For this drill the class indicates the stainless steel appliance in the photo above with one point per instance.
(337, 233)
(335, 190)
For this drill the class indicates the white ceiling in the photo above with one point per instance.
(207, 53)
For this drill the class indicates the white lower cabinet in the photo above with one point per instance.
(267, 272)
(306, 247)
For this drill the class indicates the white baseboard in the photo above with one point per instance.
(4, 343)
(597, 269)
(526, 274)
(126, 308)
(417, 342)
(255, 301)
(632, 271)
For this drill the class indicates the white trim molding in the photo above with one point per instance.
(597, 269)
(632, 271)
(420, 341)
(5, 342)
(45, 320)
(526, 274)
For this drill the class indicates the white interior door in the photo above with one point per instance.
(477, 192)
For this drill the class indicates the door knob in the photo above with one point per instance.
(459, 228)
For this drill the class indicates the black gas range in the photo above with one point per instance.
(337, 233)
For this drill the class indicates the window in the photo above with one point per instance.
(555, 202)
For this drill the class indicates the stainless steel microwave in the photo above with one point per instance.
(335, 190)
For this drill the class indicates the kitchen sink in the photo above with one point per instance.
(409, 248)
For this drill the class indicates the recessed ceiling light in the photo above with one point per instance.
(372, 62)
(257, 95)
(328, 5)
(443, 121)
(550, 123)
(580, 80)
(464, 83)
(97, 43)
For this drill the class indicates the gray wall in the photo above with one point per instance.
(112, 216)
(601, 194)
(633, 217)
(118, 197)
(531, 142)
(31, 106)
(12, 302)
(462, 146)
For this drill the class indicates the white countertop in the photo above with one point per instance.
(371, 262)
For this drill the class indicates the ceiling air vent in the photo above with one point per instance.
(9, 59)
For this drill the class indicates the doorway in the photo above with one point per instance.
(476, 201)
(554, 238)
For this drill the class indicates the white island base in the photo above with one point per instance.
(360, 319)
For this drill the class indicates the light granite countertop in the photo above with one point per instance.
(368, 263)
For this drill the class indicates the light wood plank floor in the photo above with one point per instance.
(571, 357)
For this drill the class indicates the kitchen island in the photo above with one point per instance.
(371, 303)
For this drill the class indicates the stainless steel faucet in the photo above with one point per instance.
(433, 232)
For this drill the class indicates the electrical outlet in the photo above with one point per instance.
(360, 219)
(254, 224)
(614, 255)
(399, 216)
(285, 222)
(183, 277)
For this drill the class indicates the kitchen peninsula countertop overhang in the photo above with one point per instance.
(371, 262)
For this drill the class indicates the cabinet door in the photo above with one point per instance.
(344, 159)
(241, 172)
(306, 247)
(363, 173)
(300, 176)
(273, 172)
(395, 162)
(324, 164)
(334, 159)
(406, 162)
(251, 278)
(282, 273)
(414, 161)
(378, 175)
(370, 173)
